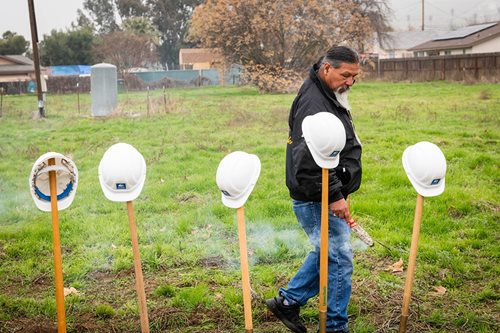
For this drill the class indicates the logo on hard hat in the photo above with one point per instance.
(226, 193)
(435, 181)
(121, 186)
(335, 153)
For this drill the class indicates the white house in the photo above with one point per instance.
(480, 38)
(398, 43)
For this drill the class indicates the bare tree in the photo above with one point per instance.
(126, 50)
(279, 35)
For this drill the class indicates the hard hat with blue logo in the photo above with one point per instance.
(325, 136)
(122, 173)
(425, 166)
(236, 177)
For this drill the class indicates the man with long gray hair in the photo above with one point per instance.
(325, 90)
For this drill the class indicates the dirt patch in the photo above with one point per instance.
(213, 262)
(242, 118)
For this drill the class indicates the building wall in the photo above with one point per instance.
(201, 65)
(16, 78)
(492, 45)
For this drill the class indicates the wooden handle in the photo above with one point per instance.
(139, 281)
(411, 263)
(245, 278)
(323, 256)
(61, 311)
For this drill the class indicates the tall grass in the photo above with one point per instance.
(188, 239)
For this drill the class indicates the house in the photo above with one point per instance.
(199, 58)
(398, 43)
(480, 38)
(19, 69)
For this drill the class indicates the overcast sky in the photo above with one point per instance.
(439, 14)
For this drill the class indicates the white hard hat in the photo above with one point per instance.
(66, 181)
(425, 166)
(122, 172)
(324, 134)
(236, 177)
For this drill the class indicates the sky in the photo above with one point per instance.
(439, 14)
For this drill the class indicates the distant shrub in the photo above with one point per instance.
(272, 79)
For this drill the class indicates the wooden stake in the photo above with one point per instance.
(323, 256)
(61, 312)
(139, 281)
(411, 263)
(245, 278)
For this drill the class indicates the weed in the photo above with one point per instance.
(165, 290)
(104, 311)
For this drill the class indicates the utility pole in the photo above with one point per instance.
(423, 16)
(36, 58)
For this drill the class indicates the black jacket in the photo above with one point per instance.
(303, 175)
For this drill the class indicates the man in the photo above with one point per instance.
(325, 89)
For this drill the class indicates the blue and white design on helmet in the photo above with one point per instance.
(66, 175)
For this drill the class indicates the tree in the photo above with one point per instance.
(171, 18)
(74, 47)
(131, 8)
(13, 44)
(279, 37)
(102, 14)
(378, 12)
(126, 50)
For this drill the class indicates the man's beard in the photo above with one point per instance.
(342, 93)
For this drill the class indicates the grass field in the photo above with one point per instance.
(188, 239)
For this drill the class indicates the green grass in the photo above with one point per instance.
(188, 240)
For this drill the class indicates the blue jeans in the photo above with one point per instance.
(305, 283)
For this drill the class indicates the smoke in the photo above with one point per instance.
(358, 245)
(268, 244)
(14, 204)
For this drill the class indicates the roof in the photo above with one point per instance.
(16, 64)
(461, 38)
(17, 59)
(403, 40)
(194, 56)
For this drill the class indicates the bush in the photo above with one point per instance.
(272, 79)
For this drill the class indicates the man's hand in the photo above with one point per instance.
(341, 209)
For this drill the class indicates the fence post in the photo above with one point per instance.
(1, 101)
(476, 69)
(443, 73)
(378, 66)
(405, 63)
